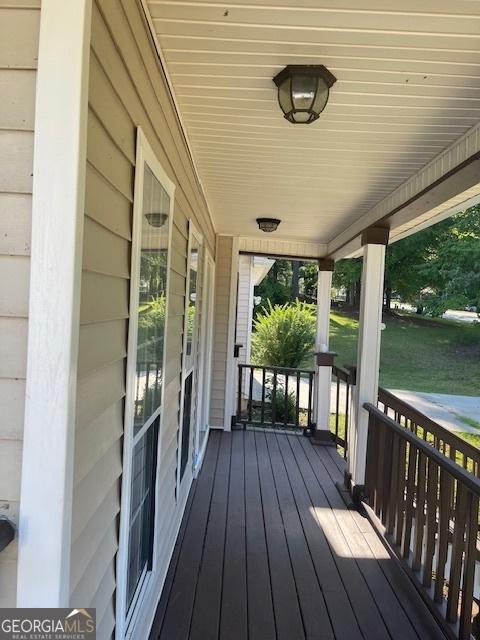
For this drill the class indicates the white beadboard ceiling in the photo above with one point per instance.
(408, 85)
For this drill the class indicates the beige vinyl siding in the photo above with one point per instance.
(126, 89)
(223, 279)
(19, 27)
(244, 306)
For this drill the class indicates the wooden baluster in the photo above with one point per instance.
(394, 488)
(264, 384)
(469, 567)
(239, 397)
(401, 484)
(379, 487)
(387, 473)
(310, 398)
(409, 506)
(274, 398)
(443, 533)
(285, 409)
(347, 416)
(297, 404)
(419, 512)
(250, 394)
(431, 521)
(458, 546)
(337, 409)
(372, 459)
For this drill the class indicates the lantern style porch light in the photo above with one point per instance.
(268, 224)
(303, 91)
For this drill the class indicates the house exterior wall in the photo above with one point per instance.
(19, 29)
(224, 323)
(244, 306)
(127, 89)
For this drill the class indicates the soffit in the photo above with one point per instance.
(408, 86)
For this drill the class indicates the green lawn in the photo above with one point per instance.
(417, 353)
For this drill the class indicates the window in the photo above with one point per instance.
(190, 358)
(153, 210)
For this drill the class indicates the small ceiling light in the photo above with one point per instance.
(303, 91)
(268, 224)
(156, 219)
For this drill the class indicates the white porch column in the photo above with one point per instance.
(324, 372)
(57, 233)
(374, 241)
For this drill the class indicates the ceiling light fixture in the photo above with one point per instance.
(268, 224)
(303, 91)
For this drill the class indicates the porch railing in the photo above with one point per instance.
(343, 380)
(275, 397)
(451, 445)
(429, 507)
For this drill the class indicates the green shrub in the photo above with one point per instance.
(285, 414)
(284, 335)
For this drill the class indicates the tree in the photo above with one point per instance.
(453, 269)
(276, 286)
(347, 275)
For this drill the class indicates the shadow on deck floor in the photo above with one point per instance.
(268, 551)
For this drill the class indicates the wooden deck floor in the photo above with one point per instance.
(268, 550)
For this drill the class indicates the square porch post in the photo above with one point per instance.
(374, 241)
(323, 362)
(59, 168)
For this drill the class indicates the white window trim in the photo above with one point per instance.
(183, 484)
(56, 262)
(124, 627)
(206, 355)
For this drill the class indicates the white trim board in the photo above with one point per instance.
(277, 247)
(230, 387)
(183, 484)
(54, 309)
(126, 626)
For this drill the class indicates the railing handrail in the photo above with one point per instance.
(343, 374)
(272, 368)
(455, 470)
(422, 420)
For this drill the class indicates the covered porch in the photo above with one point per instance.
(268, 549)
(156, 147)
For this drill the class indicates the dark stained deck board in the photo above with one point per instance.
(312, 603)
(363, 604)
(339, 606)
(176, 623)
(408, 617)
(288, 617)
(261, 618)
(206, 612)
(270, 552)
(233, 619)
(395, 619)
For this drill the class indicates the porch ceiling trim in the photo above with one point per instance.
(278, 247)
(457, 165)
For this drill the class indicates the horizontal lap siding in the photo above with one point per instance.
(19, 29)
(126, 89)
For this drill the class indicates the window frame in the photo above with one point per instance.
(185, 481)
(127, 619)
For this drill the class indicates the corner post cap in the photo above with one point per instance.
(326, 264)
(375, 235)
